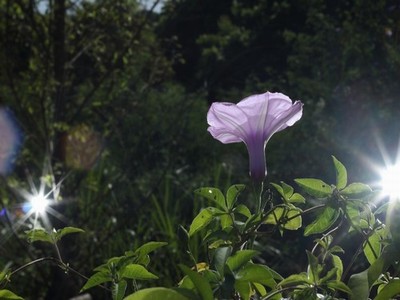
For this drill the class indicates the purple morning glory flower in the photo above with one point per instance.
(253, 121)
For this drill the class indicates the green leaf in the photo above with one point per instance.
(297, 198)
(157, 293)
(323, 222)
(337, 262)
(240, 258)
(67, 230)
(244, 289)
(390, 290)
(232, 194)
(256, 273)
(313, 272)
(279, 189)
(201, 220)
(213, 194)
(356, 189)
(341, 174)
(39, 235)
(287, 189)
(243, 210)
(149, 247)
(338, 285)
(220, 257)
(314, 187)
(8, 295)
(289, 218)
(119, 289)
(372, 248)
(96, 279)
(226, 221)
(135, 271)
(201, 284)
(295, 279)
(358, 284)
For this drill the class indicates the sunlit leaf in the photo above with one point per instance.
(240, 258)
(256, 273)
(339, 285)
(67, 230)
(295, 279)
(356, 189)
(119, 289)
(8, 295)
(214, 195)
(243, 210)
(201, 220)
(323, 221)
(314, 187)
(232, 194)
(157, 293)
(341, 174)
(135, 271)
(40, 235)
(297, 198)
(96, 279)
(148, 247)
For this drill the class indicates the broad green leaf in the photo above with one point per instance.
(243, 210)
(297, 198)
(323, 221)
(244, 289)
(295, 279)
(313, 272)
(279, 189)
(314, 187)
(157, 293)
(201, 284)
(372, 248)
(337, 262)
(135, 271)
(213, 194)
(201, 220)
(119, 289)
(358, 284)
(261, 289)
(96, 279)
(289, 218)
(390, 290)
(220, 257)
(356, 189)
(40, 235)
(240, 258)
(232, 194)
(67, 230)
(226, 221)
(256, 273)
(339, 285)
(341, 174)
(287, 189)
(8, 295)
(149, 247)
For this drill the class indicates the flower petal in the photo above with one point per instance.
(228, 123)
(281, 116)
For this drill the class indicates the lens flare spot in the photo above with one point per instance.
(10, 140)
(390, 182)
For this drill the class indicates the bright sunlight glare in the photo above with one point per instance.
(390, 182)
(39, 203)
